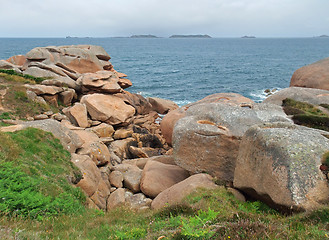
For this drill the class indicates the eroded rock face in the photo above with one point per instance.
(279, 164)
(207, 139)
(308, 95)
(315, 75)
(74, 59)
(108, 108)
(177, 192)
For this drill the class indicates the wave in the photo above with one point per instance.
(262, 94)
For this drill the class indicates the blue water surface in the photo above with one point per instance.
(186, 70)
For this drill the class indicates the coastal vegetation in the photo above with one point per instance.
(11, 75)
(203, 215)
(306, 114)
(15, 100)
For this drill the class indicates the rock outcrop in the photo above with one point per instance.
(280, 165)
(207, 139)
(315, 75)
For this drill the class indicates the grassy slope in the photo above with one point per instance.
(15, 101)
(226, 219)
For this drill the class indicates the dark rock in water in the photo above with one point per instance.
(248, 37)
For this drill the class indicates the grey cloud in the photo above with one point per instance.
(222, 18)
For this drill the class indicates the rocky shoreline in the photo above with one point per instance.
(127, 154)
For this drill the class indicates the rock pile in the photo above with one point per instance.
(111, 133)
(125, 156)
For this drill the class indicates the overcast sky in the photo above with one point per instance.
(218, 18)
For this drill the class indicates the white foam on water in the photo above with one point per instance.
(182, 102)
(261, 95)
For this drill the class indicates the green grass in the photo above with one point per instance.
(206, 214)
(20, 106)
(306, 114)
(34, 173)
(11, 75)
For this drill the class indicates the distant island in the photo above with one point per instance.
(144, 36)
(248, 37)
(190, 36)
(323, 36)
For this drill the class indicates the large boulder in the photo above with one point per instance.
(179, 191)
(91, 183)
(158, 176)
(280, 165)
(131, 176)
(17, 60)
(309, 95)
(108, 108)
(77, 115)
(101, 82)
(315, 75)
(93, 147)
(9, 66)
(103, 130)
(168, 122)
(91, 176)
(141, 105)
(162, 106)
(116, 199)
(207, 139)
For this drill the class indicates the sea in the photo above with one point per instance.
(188, 69)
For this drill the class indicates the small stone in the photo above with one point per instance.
(49, 113)
(122, 133)
(41, 117)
